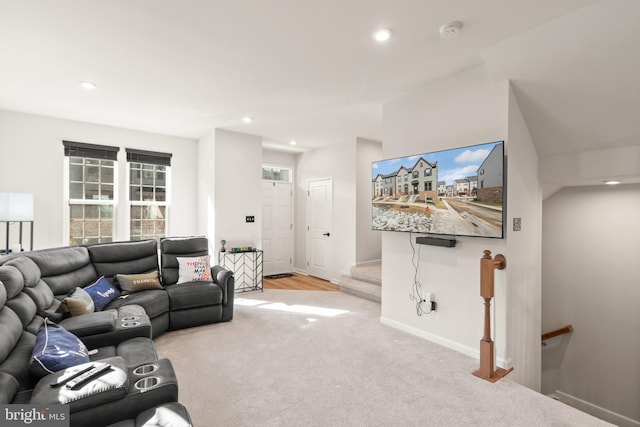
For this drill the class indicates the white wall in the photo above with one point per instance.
(32, 160)
(336, 162)
(278, 158)
(590, 259)
(238, 189)
(461, 110)
(524, 290)
(206, 190)
(368, 242)
(621, 163)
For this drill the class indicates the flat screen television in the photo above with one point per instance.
(456, 192)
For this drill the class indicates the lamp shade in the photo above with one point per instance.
(16, 207)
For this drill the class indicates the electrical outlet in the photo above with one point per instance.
(429, 303)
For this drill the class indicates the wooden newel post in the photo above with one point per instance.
(487, 267)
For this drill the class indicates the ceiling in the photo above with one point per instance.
(310, 71)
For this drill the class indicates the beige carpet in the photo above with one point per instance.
(312, 358)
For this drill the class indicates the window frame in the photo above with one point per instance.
(147, 203)
(87, 202)
(274, 166)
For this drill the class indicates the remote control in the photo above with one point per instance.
(65, 379)
(88, 376)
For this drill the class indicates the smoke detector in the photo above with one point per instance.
(450, 30)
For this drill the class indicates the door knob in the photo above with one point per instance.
(326, 234)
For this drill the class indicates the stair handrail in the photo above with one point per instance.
(557, 332)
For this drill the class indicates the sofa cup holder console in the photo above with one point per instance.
(130, 321)
(130, 324)
(145, 369)
(151, 376)
(146, 383)
(150, 384)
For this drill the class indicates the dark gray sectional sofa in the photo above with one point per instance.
(138, 389)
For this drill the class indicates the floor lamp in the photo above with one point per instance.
(16, 207)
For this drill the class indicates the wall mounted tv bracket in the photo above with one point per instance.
(447, 242)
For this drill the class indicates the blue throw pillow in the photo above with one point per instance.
(56, 349)
(102, 292)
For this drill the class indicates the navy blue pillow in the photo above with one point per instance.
(102, 292)
(56, 349)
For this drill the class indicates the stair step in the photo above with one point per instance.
(371, 273)
(360, 288)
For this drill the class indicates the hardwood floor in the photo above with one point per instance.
(300, 282)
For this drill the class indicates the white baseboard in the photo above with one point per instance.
(471, 352)
(595, 410)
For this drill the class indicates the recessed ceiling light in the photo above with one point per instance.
(382, 35)
(87, 85)
(247, 119)
(292, 142)
(612, 182)
(450, 30)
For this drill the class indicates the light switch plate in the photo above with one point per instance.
(517, 224)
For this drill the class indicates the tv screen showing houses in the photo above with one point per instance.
(457, 192)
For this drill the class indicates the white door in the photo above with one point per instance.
(276, 227)
(320, 210)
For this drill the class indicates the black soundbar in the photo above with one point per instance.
(447, 242)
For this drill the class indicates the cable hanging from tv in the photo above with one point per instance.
(422, 299)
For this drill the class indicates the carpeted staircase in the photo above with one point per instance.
(364, 281)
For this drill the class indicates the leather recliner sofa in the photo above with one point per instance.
(142, 387)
